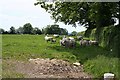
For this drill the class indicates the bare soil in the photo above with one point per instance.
(46, 68)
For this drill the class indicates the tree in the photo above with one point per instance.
(69, 13)
(103, 14)
(74, 33)
(54, 29)
(84, 13)
(81, 33)
(6, 32)
(2, 31)
(47, 30)
(12, 30)
(91, 15)
(27, 28)
(36, 31)
(63, 31)
(19, 30)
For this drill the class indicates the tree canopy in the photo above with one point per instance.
(89, 14)
(36, 31)
(2, 31)
(54, 29)
(27, 28)
(83, 13)
(12, 30)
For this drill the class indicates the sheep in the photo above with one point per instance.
(79, 37)
(48, 38)
(64, 36)
(95, 43)
(62, 42)
(88, 42)
(71, 38)
(56, 35)
(53, 40)
(66, 42)
(72, 43)
(84, 42)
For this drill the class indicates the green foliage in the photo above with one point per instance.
(97, 15)
(12, 30)
(87, 32)
(20, 30)
(1, 31)
(36, 31)
(100, 65)
(84, 13)
(108, 37)
(63, 31)
(69, 12)
(54, 29)
(81, 33)
(74, 33)
(27, 28)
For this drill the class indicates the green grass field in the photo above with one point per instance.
(96, 60)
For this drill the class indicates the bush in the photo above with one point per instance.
(81, 33)
(108, 38)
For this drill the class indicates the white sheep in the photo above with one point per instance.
(56, 35)
(84, 42)
(79, 37)
(71, 38)
(93, 43)
(53, 40)
(48, 38)
(67, 42)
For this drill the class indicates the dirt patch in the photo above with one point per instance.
(46, 68)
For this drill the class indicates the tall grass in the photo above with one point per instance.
(101, 64)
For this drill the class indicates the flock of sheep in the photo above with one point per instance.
(71, 42)
(47, 38)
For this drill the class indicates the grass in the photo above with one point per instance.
(101, 64)
(8, 70)
(24, 47)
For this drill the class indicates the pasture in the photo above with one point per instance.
(95, 59)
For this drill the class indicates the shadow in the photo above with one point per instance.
(84, 53)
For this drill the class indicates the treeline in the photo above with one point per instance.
(28, 29)
(54, 29)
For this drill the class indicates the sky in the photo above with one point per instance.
(19, 12)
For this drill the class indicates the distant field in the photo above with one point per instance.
(24, 47)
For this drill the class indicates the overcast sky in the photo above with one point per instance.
(18, 12)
